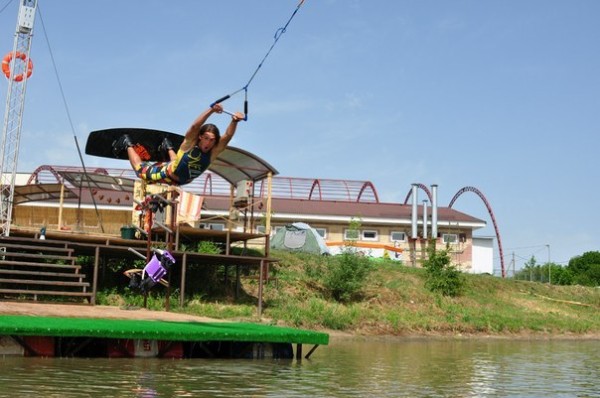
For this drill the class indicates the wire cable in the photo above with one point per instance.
(6, 5)
(276, 38)
(64, 99)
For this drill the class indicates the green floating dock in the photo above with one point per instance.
(11, 325)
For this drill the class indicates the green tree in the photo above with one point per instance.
(529, 272)
(346, 273)
(353, 232)
(442, 276)
(561, 275)
(345, 276)
(585, 269)
(548, 272)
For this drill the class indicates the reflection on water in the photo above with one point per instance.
(381, 368)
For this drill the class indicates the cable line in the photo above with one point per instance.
(64, 99)
(276, 38)
(6, 5)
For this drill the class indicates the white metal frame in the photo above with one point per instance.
(13, 115)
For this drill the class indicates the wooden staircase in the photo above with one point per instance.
(38, 270)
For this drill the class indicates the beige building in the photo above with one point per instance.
(340, 210)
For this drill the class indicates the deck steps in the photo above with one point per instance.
(39, 270)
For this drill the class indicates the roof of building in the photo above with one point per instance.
(33, 193)
(343, 210)
(232, 165)
(292, 198)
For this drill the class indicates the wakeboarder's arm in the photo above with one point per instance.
(229, 133)
(191, 136)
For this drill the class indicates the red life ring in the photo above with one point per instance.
(6, 65)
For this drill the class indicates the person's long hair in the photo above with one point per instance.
(211, 128)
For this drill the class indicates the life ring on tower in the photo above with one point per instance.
(6, 65)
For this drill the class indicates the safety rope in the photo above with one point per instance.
(276, 37)
(64, 99)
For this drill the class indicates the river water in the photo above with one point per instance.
(344, 368)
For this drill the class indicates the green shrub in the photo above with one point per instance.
(207, 247)
(345, 276)
(442, 277)
(586, 269)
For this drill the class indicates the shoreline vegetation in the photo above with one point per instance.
(392, 299)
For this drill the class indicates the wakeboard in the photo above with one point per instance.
(146, 143)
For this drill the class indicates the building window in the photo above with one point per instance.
(370, 235)
(213, 226)
(397, 236)
(261, 229)
(351, 234)
(450, 239)
(322, 232)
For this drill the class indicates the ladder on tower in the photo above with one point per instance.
(19, 68)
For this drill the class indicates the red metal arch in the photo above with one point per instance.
(291, 187)
(424, 188)
(365, 186)
(33, 178)
(100, 170)
(207, 182)
(347, 189)
(489, 209)
(316, 183)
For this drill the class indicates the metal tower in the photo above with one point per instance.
(19, 70)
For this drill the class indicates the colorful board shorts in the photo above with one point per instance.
(154, 172)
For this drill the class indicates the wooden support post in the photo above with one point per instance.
(260, 288)
(268, 208)
(148, 249)
(268, 214)
(229, 222)
(307, 356)
(237, 282)
(183, 271)
(95, 279)
(60, 206)
(168, 295)
(227, 241)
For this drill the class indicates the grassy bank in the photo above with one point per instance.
(394, 301)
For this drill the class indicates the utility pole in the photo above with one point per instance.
(513, 266)
(549, 266)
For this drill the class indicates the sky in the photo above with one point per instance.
(502, 96)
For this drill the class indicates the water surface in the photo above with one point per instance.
(345, 368)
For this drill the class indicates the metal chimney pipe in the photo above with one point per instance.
(425, 219)
(434, 208)
(414, 234)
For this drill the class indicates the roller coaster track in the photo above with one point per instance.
(424, 188)
(489, 209)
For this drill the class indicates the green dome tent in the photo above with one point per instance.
(299, 237)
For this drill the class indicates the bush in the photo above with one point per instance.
(345, 276)
(586, 269)
(207, 247)
(442, 277)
